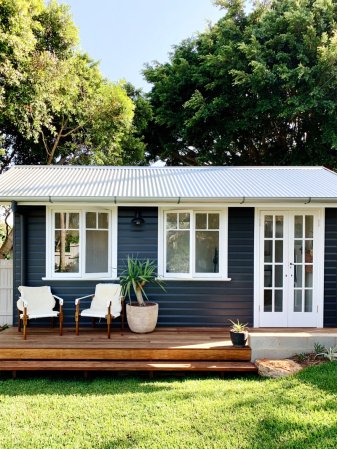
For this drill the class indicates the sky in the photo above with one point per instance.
(125, 34)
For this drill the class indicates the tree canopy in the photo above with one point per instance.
(55, 105)
(256, 88)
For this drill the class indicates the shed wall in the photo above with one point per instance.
(185, 303)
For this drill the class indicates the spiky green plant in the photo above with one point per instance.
(137, 274)
(238, 326)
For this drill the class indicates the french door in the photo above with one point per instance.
(290, 269)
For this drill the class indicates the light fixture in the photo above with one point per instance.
(138, 219)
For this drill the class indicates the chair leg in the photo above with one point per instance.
(61, 320)
(108, 322)
(25, 323)
(77, 318)
(19, 321)
(123, 315)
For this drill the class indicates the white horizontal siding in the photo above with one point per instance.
(6, 292)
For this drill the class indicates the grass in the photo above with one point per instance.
(235, 413)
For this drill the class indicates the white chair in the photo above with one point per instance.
(37, 302)
(106, 303)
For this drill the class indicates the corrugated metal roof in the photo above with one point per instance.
(94, 183)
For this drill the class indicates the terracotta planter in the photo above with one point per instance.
(142, 319)
(239, 339)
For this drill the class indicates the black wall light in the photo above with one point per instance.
(138, 219)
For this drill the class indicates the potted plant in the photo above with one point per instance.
(141, 316)
(238, 333)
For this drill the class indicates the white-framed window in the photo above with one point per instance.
(192, 244)
(81, 243)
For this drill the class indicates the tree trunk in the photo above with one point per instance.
(7, 245)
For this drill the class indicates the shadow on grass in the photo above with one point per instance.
(98, 383)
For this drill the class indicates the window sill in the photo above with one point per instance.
(195, 279)
(79, 279)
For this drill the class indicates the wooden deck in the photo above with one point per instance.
(166, 349)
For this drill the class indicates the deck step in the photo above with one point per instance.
(114, 365)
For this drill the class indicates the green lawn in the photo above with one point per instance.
(246, 412)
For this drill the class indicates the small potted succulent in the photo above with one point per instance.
(238, 333)
(141, 316)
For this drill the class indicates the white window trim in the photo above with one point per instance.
(112, 255)
(223, 244)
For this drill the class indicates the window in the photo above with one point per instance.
(193, 244)
(81, 244)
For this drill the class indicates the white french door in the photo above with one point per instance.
(290, 266)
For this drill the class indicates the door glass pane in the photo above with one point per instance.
(298, 226)
(268, 251)
(178, 252)
(298, 275)
(268, 301)
(213, 221)
(171, 221)
(184, 221)
(74, 220)
(90, 220)
(298, 251)
(97, 252)
(207, 251)
(308, 275)
(278, 226)
(278, 300)
(278, 250)
(308, 301)
(309, 226)
(201, 221)
(268, 275)
(298, 301)
(268, 226)
(309, 251)
(278, 275)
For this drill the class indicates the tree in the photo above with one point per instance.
(55, 105)
(257, 88)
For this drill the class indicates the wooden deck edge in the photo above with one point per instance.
(225, 354)
(53, 365)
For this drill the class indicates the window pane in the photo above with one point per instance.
(90, 220)
(268, 226)
(207, 251)
(278, 300)
(103, 221)
(184, 221)
(268, 301)
(309, 226)
(59, 218)
(178, 252)
(74, 220)
(66, 251)
(213, 221)
(309, 251)
(97, 252)
(201, 221)
(298, 226)
(279, 226)
(171, 221)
